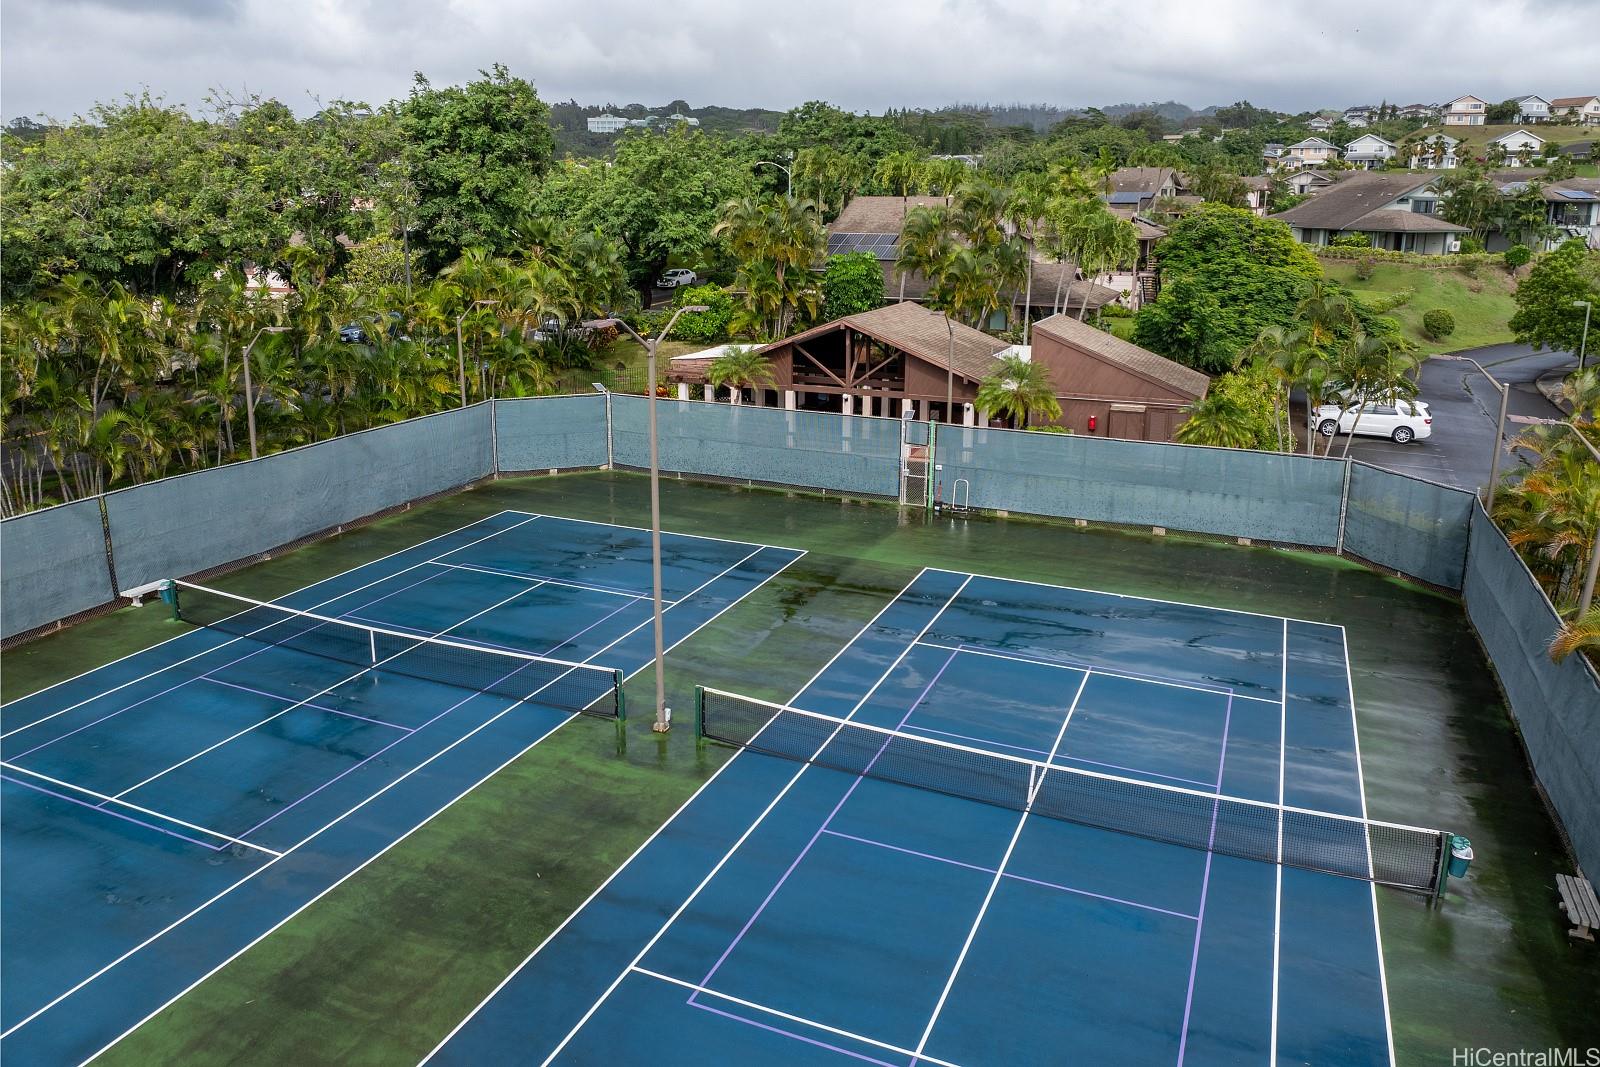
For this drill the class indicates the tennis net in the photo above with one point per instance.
(584, 687)
(1409, 857)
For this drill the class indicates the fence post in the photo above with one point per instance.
(933, 466)
(1344, 506)
(610, 462)
(494, 437)
(105, 532)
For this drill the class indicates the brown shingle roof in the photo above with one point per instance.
(1386, 220)
(1335, 208)
(1571, 101)
(1146, 180)
(1128, 356)
(920, 332)
(879, 214)
(1045, 274)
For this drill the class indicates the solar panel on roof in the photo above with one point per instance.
(1125, 198)
(1578, 194)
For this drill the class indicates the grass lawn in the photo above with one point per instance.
(1477, 138)
(1481, 303)
(621, 367)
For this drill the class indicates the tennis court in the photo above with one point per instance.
(165, 811)
(810, 905)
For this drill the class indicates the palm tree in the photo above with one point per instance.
(1220, 420)
(739, 367)
(1275, 349)
(900, 172)
(1581, 634)
(980, 205)
(1369, 369)
(1025, 211)
(925, 246)
(1012, 266)
(1017, 389)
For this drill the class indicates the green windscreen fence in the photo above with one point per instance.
(1233, 492)
(1408, 525)
(52, 564)
(1556, 705)
(808, 449)
(550, 432)
(191, 523)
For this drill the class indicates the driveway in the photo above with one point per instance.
(1464, 408)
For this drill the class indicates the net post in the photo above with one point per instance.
(699, 713)
(622, 699)
(1442, 874)
(169, 594)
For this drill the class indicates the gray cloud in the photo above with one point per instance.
(60, 57)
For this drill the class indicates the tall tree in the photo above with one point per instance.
(1019, 389)
(1545, 315)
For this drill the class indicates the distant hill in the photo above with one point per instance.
(570, 122)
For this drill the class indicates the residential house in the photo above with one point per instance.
(1308, 182)
(1311, 152)
(873, 223)
(607, 123)
(1520, 147)
(1532, 109)
(1584, 109)
(1416, 111)
(1369, 152)
(1359, 116)
(1357, 122)
(897, 361)
(1572, 210)
(1138, 188)
(1320, 125)
(1465, 111)
(1395, 210)
(1258, 189)
(1436, 153)
(687, 120)
(1270, 152)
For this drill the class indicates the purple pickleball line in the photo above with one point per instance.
(307, 704)
(1205, 886)
(788, 1033)
(814, 837)
(115, 814)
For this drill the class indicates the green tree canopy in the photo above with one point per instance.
(1545, 316)
(473, 155)
(852, 283)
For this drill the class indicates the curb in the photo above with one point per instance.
(1550, 386)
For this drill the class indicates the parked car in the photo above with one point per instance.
(1402, 421)
(675, 277)
(353, 335)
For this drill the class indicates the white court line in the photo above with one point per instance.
(143, 811)
(544, 580)
(1110, 672)
(646, 529)
(999, 873)
(753, 1006)
(363, 803)
(324, 692)
(744, 836)
(1133, 596)
(1277, 896)
(234, 640)
(660, 829)
(1361, 784)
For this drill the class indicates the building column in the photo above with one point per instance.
(849, 403)
(868, 405)
(969, 415)
(908, 408)
(789, 399)
(708, 392)
(683, 390)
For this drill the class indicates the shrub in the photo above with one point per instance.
(703, 327)
(1351, 240)
(1365, 268)
(1385, 304)
(851, 284)
(1471, 246)
(1517, 256)
(1439, 323)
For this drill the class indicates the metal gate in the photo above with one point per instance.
(916, 454)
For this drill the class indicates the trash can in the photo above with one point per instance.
(1460, 856)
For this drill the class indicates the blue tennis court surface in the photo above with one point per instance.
(163, 812)
(791, 913)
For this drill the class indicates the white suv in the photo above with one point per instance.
(675, 277)
(1402, 421)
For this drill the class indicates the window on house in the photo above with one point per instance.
(1424, 207)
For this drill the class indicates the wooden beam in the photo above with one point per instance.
(818, 364)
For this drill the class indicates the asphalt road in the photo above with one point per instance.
(1464, 408)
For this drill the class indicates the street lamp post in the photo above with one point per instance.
(1583, 342)
(788, 175)
(249, 392)
(663, 720)
(1499, 427)
(461, 359)
(1586, 597)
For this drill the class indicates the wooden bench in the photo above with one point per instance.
(1578, 901)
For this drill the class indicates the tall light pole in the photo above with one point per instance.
(461, 359)
(1499, 427)
(249, 392)
(1583, 343)
(950, 370)
(788, 175)
(663, 721)
(1586, 597)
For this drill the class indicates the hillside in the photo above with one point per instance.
(569, 122)
(1480, 301)
(1478, 137)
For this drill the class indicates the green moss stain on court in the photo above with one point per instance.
(383, 966)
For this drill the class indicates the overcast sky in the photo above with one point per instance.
(60, 56)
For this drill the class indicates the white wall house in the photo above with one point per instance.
(1465, 111)
(1436, 153)
(1416, 111)
(1369, 152)
(1307, 182)
(1533, 109)
(1520, 146)
(1393, 210)
(1311, 152)
(1320, 124)
(1357, 122)
(1584, 109)
(607, 123)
